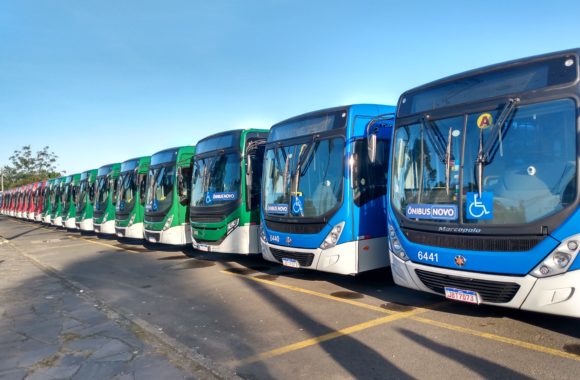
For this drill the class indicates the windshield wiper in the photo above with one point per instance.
(442, 148)
(495, 134)
(435, 137)
(448, 162)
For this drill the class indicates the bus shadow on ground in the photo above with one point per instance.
(379, 284)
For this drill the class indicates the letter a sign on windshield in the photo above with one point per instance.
(484, 121)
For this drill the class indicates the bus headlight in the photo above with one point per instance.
(232, 225)
(262, 234)
(559, 260)
(168, 223)
(395, 245)
(333, 236)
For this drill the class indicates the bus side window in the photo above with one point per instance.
(254, 178)
(369, 180)
(184, 185)
(142, 188)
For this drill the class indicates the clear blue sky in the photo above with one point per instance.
(101, 81)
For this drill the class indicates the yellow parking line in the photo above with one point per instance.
(412, 316)
(313, 293)
(498, 338)
(330, 336)
(108, 245)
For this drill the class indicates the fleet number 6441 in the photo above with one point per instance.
(428, 256)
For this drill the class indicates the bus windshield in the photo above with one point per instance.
(127, 183)
(161, 181)
(216, 180)
(303, 180)
(528, 173)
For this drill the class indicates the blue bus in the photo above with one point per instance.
(484, 186)
(324, 189)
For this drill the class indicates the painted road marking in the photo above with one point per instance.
(499, 338)
(93, 241)
(108, 245)
(330, 336)
(412, 316)
(314, 293)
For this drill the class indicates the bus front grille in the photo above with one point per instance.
(304, 258)
(474, 243)
(295, 228)
(489, 291)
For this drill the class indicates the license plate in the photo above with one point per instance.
(203, 247)
(468, 296)
(290, 263)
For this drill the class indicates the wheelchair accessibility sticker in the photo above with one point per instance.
(297, 205)
(480, 208)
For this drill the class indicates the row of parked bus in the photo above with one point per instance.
(468, 189)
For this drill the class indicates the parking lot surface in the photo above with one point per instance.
(242, 316)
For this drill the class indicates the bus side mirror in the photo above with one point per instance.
(372, 147)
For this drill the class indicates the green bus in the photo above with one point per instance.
(85, 200)
(225, 192)
(105, 199)
(68, 196)
(56, 202)
(130, 208)
(47, 200)
(166, 207)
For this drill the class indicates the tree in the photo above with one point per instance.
(27, 167)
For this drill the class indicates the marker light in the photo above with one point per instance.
(559, 260)
(395, 245)
(232, 225)
(131, 221)
(333, 236)
(168, 223)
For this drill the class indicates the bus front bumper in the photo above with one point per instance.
(242, 240)
(70, 223)
(552, 295)
(133, 232)
(107, 228)
(85, 225)
(178, 235)
(57, 221)
(341, 259)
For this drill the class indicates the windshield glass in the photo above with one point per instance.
(55, 194)
(160, 183)
(82, 194)
(303, 180)
(65, 197)
(127, 183)
(102, 192)
(529, 173)
(216, 180)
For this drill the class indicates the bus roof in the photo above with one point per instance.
(401, 109)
